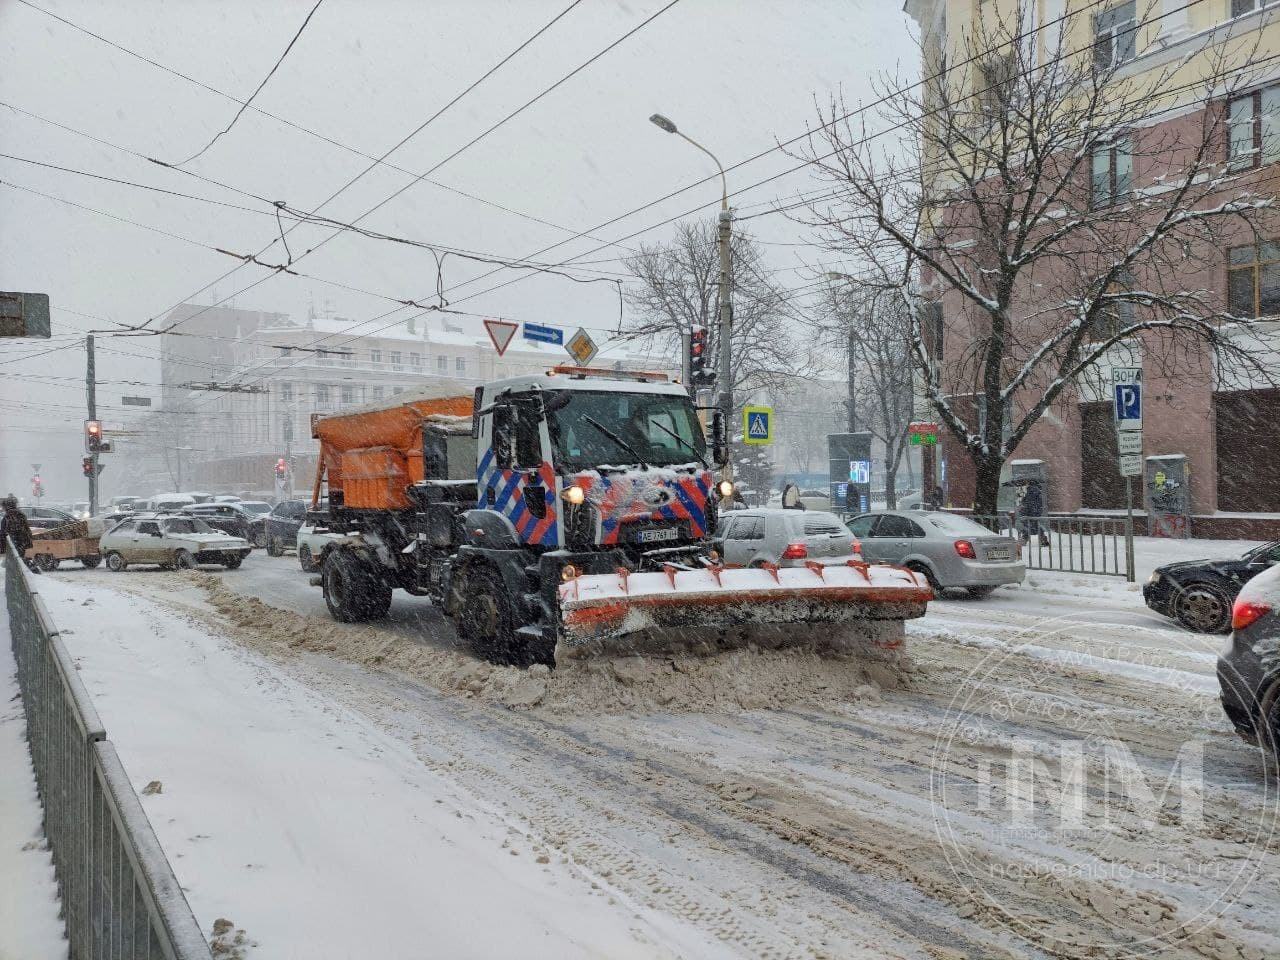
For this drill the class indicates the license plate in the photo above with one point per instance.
(999, 553)
(656, 535)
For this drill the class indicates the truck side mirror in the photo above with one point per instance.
(719, 444)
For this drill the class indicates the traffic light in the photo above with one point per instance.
(37, 487)
(93, 435)
(87, 466)
(698, 372)
(282, 469)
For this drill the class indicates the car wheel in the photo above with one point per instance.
(486, 620)
(91, 562)
(115, 562)
(1202, 607)
(981, 593)
(275, 547)
(259, 539)
(183, 560)
(233, 563)
(924, 571)
(1269, 723)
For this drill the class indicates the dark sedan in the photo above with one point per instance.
(1199, 593)
(46, 518)
(227, 517)
(280, 526)
(1249, 669)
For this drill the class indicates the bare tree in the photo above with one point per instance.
(1045, 212)
(677, 290)
(873, 326)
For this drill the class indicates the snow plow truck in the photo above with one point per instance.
(564, 515)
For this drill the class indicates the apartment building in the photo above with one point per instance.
(1226, 427)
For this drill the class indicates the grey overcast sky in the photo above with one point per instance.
(738, 75)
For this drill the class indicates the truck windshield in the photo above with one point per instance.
(655, 428)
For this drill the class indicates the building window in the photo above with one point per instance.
(415, 361)
(322, 394)
(375, 356)
(348, 395)
(379, 393)
(1115, 35)
(931, 329)
(395, 359)
(1240, 7)
(460, 364)
(1253, 125)
(1253, 280)
(1111, 179)
(286, 391)
(442, 364)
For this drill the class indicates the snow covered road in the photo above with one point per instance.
(334, 789)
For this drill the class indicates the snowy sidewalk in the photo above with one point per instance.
(311, 830)
(30, 928)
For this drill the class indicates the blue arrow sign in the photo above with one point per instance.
(536, 331)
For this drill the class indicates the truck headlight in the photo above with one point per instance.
(725, 487)
(574, 495)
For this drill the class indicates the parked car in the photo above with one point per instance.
(226, 498)
(280, 526)
(171, 502)
(46, 518)
(312, 537)
(227, 517)
(1199, 593)
(170, 541)
(80, 510)
(1249, 668)
(785, 537)
(125, 502)
(951, 551)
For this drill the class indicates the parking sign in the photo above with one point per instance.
(1126, 385)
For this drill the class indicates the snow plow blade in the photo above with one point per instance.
(716, 608)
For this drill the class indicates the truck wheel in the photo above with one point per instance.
(275, 547)
(352, 592)
(485, 619)
(115, 562)
(46, 562)
(91, 562)
(183, 560)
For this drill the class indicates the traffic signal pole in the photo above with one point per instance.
(91, 395)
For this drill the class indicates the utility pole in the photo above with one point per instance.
(91, 391)
(724, 241)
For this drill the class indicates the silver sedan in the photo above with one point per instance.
(789, 538)
(952, 551)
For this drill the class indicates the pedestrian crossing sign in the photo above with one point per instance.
(757, 424)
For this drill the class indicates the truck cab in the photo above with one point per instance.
(579, 459)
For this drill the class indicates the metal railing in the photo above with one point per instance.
(1096, 545)
(120, 900)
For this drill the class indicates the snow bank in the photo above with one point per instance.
(30, 928)
(301, 824)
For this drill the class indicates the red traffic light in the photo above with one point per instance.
(87, 466)
(93, 435)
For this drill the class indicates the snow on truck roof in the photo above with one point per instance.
(610, 381)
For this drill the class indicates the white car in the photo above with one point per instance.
(312, 538)
(180, 542)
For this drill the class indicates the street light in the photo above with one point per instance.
(724, 238)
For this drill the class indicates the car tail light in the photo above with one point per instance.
(965, 549)
(795, 551)
(1244, 613)
(855, 547)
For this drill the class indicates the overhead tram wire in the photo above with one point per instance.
(739, 191)
(257, 90)
(291, 124)
(372, 166)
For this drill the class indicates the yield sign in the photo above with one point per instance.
(500, 332)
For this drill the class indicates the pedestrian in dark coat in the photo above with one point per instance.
(14, 526)
(1031, 514)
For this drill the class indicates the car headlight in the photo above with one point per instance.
(1154, 578)
(574, 495)
(725, 487)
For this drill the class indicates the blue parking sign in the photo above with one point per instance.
(1128, 401)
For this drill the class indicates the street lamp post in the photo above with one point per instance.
(725, 286)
